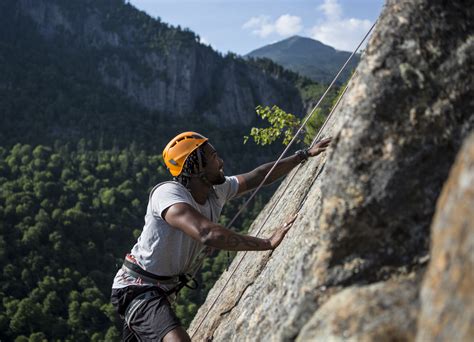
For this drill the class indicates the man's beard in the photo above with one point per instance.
(220, 179)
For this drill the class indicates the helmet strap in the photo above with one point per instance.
(201, 168)
(201, 174)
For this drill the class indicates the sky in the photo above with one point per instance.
(241, 26)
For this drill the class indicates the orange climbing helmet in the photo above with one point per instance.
(179, 149)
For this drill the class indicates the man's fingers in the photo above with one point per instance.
(281, 232)
(291, 220)
(285, 229)
(325, 142)
(289, 223)
(320, 150)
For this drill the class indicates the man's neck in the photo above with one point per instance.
(199, 190)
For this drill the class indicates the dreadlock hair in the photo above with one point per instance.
(191, 166)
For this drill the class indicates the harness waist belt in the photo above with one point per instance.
(138, 272)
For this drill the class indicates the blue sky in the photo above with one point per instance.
(241, 26)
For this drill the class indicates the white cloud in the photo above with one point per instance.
(332, 10)
(286, 25)
(337, 31)
(259, 26)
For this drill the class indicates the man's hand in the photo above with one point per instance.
(278, 236)
(320, 147)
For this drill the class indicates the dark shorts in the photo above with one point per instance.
(152, 320)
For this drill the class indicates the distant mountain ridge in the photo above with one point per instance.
(308, 57)
(110, 47)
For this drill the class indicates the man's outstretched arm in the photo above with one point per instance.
(250, 180)
(184, 217)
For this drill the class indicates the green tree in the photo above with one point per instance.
(282, 125)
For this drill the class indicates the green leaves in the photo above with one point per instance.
(282, 126)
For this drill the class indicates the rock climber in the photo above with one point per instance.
(180, 222)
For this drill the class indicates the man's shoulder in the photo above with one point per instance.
(165, 194)
(169, 188)
(169, 185)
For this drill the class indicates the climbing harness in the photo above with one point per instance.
(182, 280)
(133, 269)
(294, 173)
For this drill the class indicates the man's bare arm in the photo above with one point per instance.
(184, 217)
(250, 180)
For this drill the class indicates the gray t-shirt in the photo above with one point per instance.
(167, 251)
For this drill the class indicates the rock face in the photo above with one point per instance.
(362, 234)
(360, 313)
(447, 300)
(162, 68)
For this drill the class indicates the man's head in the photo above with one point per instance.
(189, 155)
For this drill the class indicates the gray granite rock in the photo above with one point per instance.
(384, 311)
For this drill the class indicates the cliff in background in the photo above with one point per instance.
(163, 68)
(353, 264)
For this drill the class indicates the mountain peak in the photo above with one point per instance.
(307, 56)
(297, 38)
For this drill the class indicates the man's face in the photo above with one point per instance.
(215, 166)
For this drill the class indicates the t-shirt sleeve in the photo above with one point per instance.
(228, 189)
(166, 195)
